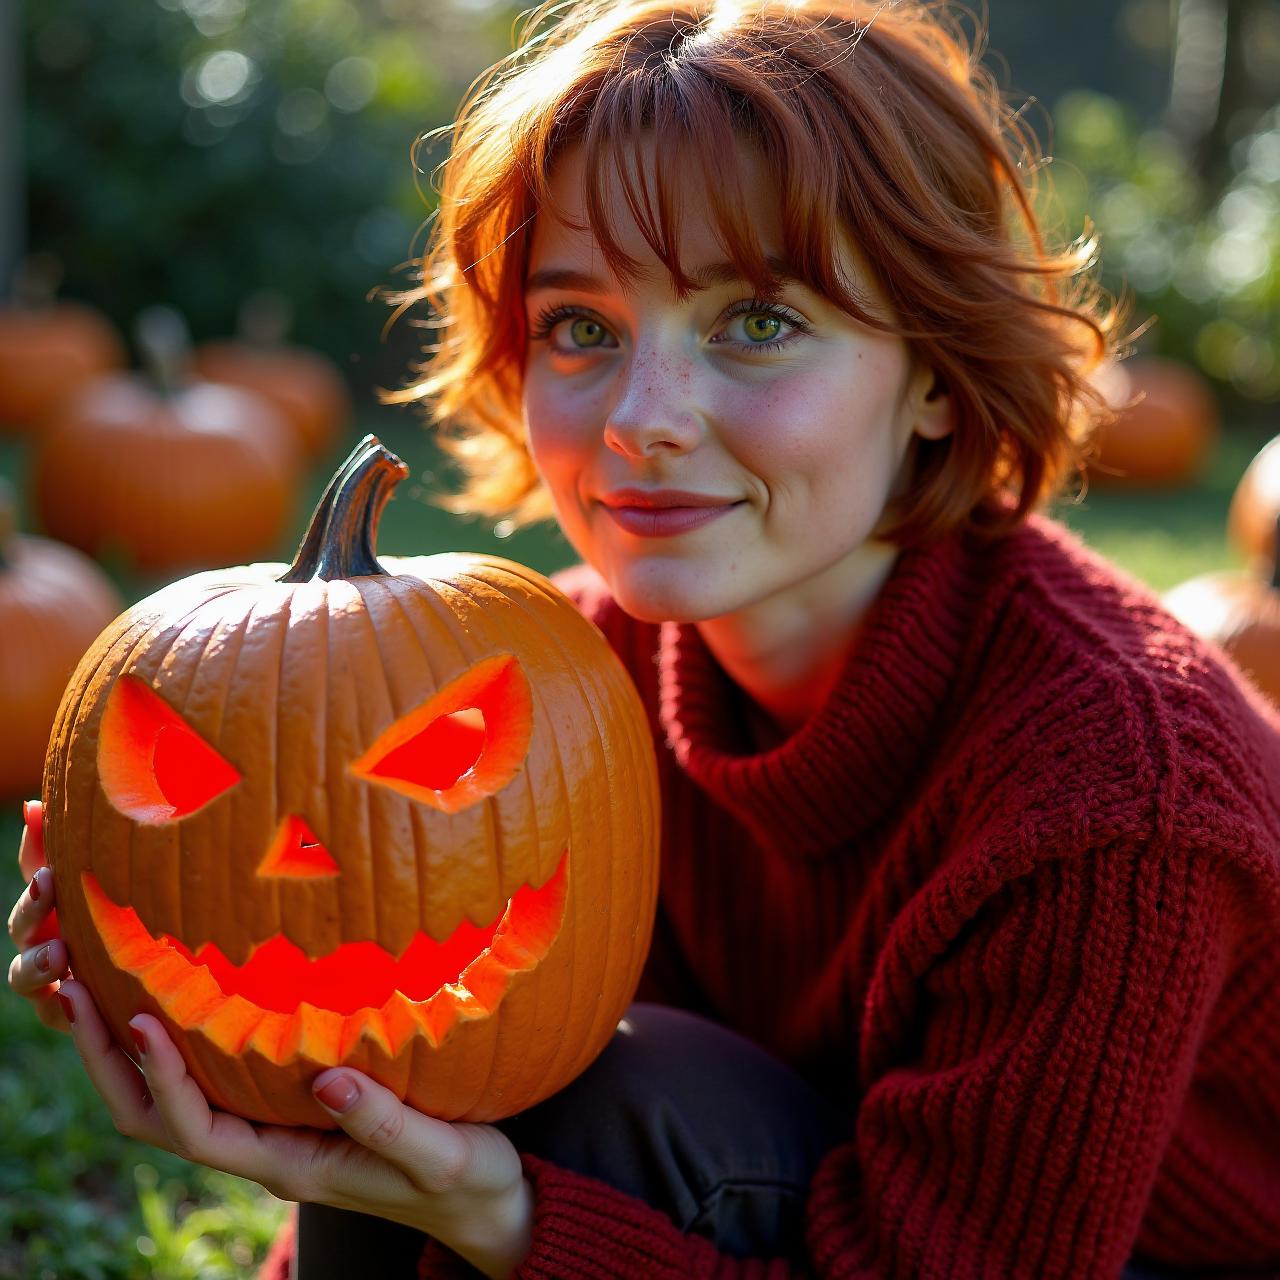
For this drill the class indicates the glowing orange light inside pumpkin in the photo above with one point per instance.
(296, 852)
(464, 743)
(154, 767)
(437, 756)
(333, 1000)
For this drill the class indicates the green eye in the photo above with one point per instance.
(757, 321)
(582, 324)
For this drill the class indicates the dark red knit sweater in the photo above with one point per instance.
(1013, 893)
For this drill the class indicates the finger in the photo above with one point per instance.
(197, 1132)
(114, 1076)
(32, 909)
(31, 845)
(35, 975)
(432, 1153)
(33, 970)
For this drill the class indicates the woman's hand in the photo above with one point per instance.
(41, 961)
(459, 1183)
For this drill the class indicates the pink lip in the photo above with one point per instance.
(663, 513)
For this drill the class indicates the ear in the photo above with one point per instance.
(932, 411)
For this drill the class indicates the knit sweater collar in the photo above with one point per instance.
(851, 762)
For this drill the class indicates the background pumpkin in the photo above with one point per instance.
(1166, 425)
(171, 473)
(1255, 507)
(53, 603)
(303, 385)
(436, 759)
(46, 353)
(1240, 612)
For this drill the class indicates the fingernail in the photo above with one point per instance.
(339, 1094)
(139, 1038)
(24, 812)
(35, 887)
(42, 959)
(67, 1007)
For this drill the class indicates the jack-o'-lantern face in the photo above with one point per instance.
(403, 820)
(158, 770)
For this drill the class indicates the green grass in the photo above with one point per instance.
(1164, 537)
(78, 1200)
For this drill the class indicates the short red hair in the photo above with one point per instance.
(876, 117)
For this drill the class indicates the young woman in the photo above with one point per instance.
(967, 959)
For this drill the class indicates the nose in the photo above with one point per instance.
(651, 417)
(296, 853)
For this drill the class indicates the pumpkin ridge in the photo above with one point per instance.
(383, 590)
(229, 633)
(377, 874)
(136, 641)
(601, 760)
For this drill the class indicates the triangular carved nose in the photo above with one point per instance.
(297, 853)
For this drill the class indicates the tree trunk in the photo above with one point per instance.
(12, 178)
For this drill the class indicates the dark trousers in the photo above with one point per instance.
(686, 1115)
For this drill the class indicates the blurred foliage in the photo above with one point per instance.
(1205, 262)
(194, 151)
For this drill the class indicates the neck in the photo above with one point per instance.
(786, 652)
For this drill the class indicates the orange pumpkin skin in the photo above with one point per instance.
(340, 815)
(46, 354)
(306, 389)
(1241, 614)
(1255, 507)
(1162, 439)
(53, 603)
(204, 476)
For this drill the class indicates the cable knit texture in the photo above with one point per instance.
(1013, 894)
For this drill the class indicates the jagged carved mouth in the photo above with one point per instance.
(281, 1002)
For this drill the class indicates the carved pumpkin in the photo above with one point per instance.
(1166, 426)
(1239, 612)
(53, 603)
(402, 816)
(170, 473)
(1255, 507)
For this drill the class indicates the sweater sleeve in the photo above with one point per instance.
(1016, 1124)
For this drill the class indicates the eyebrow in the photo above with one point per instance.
(714, 273)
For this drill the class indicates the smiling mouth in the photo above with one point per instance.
(281, 1002)
(665, 522)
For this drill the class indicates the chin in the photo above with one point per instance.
(652, 594)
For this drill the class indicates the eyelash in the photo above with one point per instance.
(551, 316)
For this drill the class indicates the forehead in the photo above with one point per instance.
(698, 242)
(560, 255)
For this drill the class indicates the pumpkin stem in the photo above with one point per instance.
(165, 343)
(343, 532)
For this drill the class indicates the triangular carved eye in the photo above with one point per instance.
(153, 765)
(461, 745)
(297, 853)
